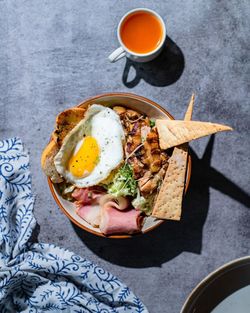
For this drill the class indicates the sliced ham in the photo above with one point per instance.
(116, 218)
(89, 195)
(82, 196)
(114, 221)
(87, 204)
(119, 203)
(111, 214)
(90, 213)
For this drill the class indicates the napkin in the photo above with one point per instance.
(41, 277)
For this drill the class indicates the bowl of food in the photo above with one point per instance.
(105, 166)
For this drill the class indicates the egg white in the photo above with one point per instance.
(104, 125)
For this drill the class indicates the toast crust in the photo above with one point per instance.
(65, 122)
(47, 162)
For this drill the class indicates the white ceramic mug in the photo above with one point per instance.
(123, 51)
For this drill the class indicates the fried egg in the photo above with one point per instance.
(92, 149)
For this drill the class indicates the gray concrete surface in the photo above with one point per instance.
(53, 54)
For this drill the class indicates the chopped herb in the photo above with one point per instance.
(123, 183)
(152, 123)
(142, 204)
(97, 160)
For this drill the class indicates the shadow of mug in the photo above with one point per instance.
(165, 70)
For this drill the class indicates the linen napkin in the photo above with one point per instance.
(41, 277)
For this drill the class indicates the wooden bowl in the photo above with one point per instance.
(143, 105)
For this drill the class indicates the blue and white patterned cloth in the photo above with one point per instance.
(40, 277)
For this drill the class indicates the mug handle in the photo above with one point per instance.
(117, 54)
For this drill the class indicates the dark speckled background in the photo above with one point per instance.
(53, 54)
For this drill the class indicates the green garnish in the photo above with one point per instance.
(97, 160)
(123, 183)
(152, 123)
(142, 204)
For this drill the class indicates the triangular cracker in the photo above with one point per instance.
(173, 133)
(189, 112)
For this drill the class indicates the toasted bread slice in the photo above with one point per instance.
(65, 122)
(47, 162)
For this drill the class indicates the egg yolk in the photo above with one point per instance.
(84, 161)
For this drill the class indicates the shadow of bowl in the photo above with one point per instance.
(166, 241)
(171, 238)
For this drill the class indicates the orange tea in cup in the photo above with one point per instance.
(141, 32)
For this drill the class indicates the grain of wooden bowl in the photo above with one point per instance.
(132, 101)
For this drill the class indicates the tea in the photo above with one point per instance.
(141, 32)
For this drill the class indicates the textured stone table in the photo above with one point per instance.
(53, 54)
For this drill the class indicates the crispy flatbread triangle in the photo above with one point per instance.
(168, 204)
(173, 133)
(189, 112)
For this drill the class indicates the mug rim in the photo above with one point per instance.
(163, 36)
